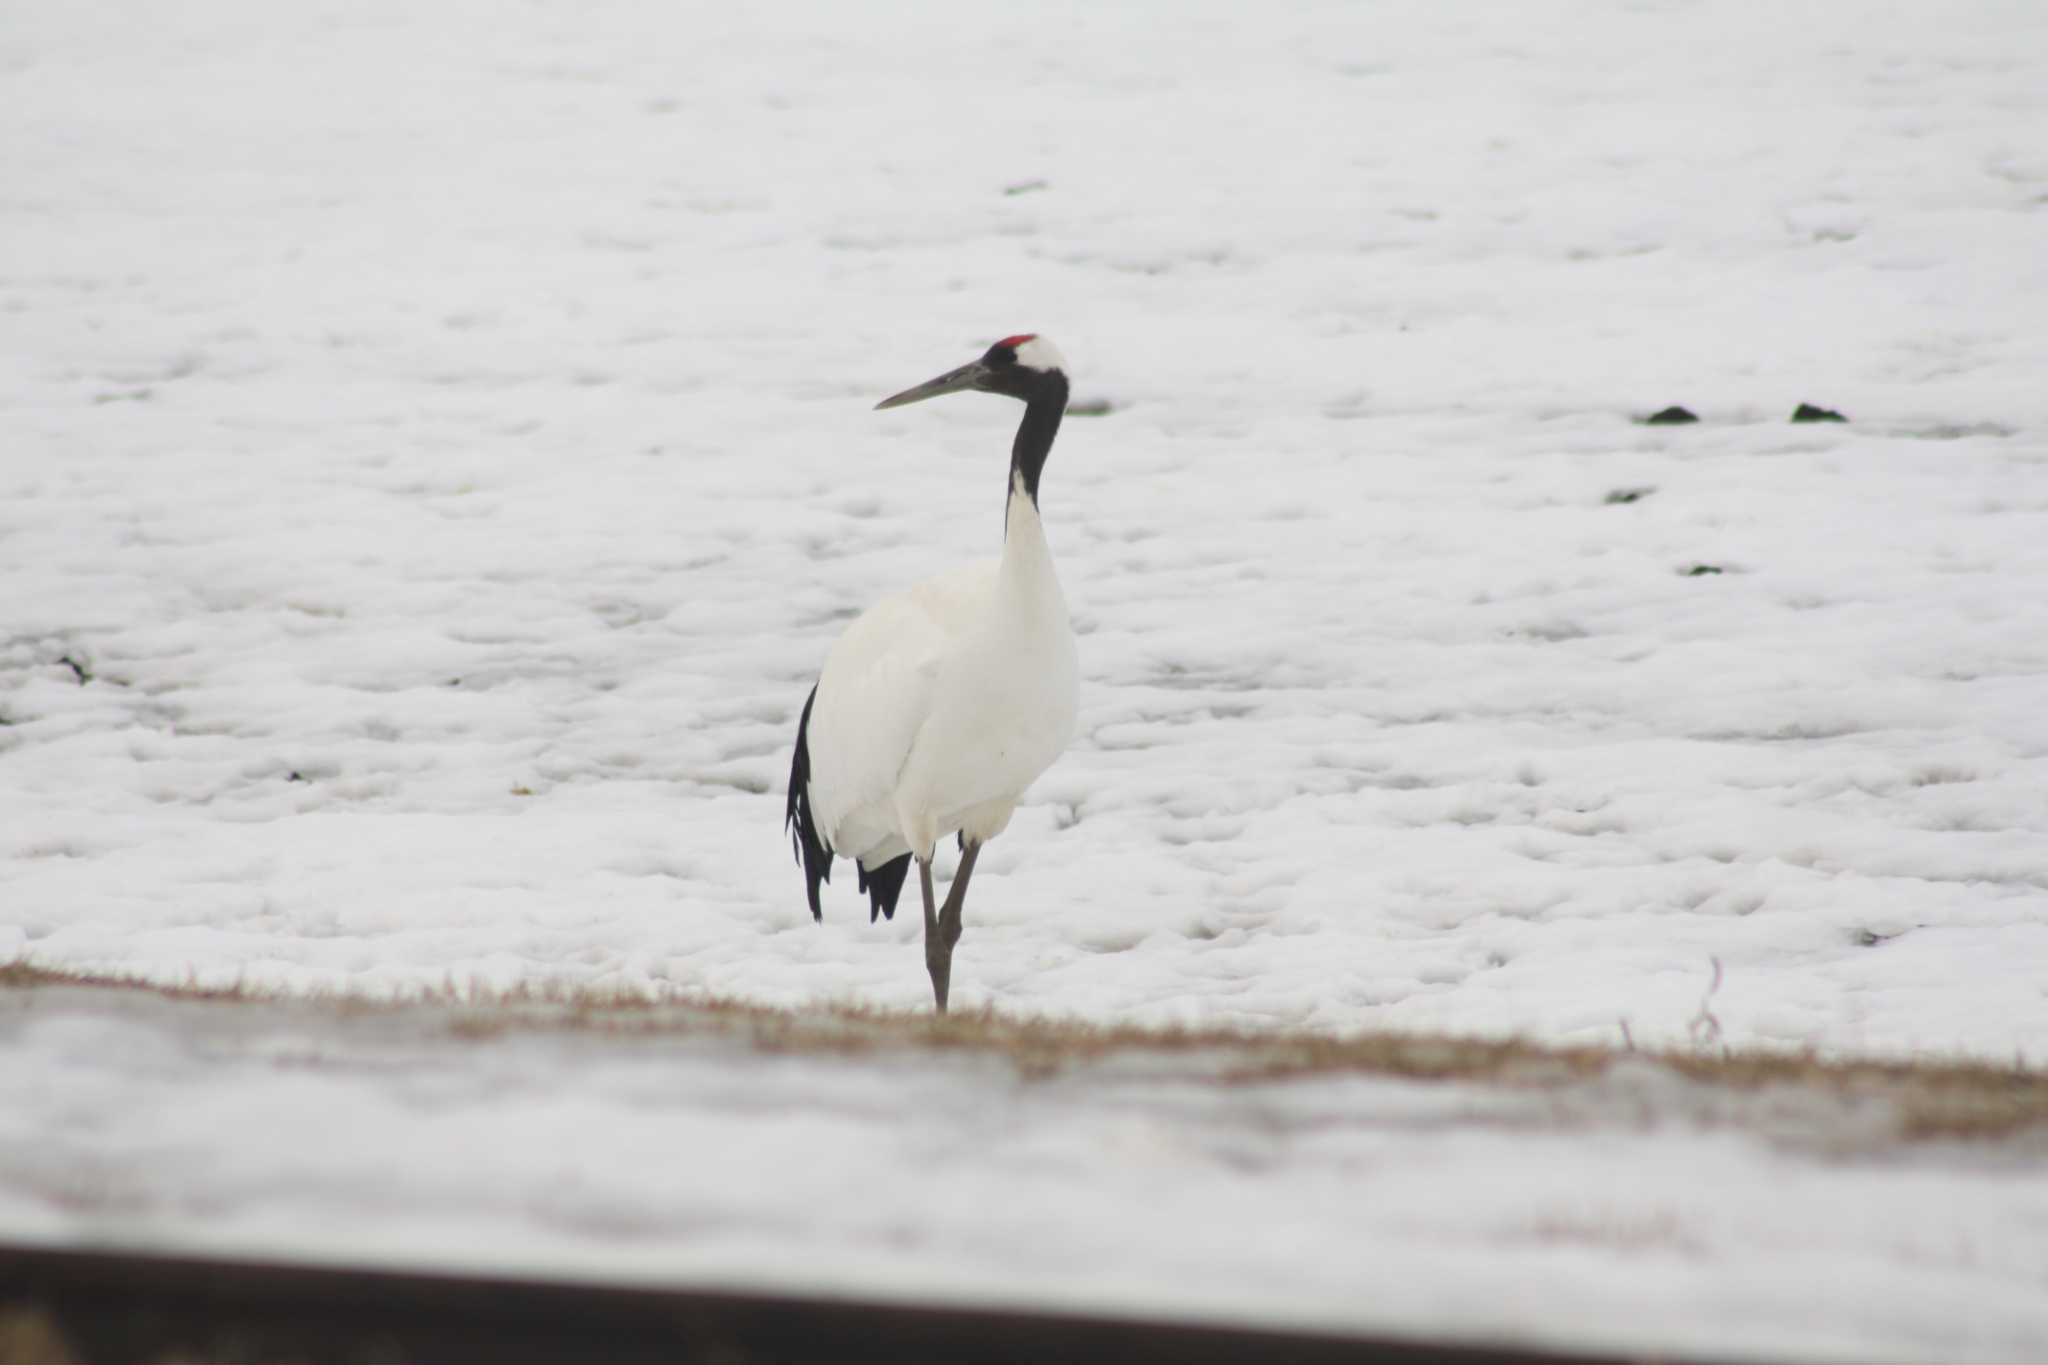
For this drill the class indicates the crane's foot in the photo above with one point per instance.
(938, 959)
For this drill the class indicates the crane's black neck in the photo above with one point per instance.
(1043, 408)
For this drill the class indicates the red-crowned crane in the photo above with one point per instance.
(939, 706)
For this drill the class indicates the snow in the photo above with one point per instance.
(439, 458)
(442, 440)
(1550, 1213)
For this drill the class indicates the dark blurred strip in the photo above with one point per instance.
(90, 1308)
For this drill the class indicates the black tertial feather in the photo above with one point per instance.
(883, 885)
(812, 852)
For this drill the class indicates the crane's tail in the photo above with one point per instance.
(812, 852)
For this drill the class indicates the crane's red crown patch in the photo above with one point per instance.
(1018, 340)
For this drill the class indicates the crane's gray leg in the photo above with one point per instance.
(949, 922)
(938, 960)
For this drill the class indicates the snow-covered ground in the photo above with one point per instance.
(1630, 1212)
(437, 457)
(440, 435)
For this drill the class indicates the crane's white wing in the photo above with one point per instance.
(875, 693)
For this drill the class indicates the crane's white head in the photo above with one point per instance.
(1025, 366)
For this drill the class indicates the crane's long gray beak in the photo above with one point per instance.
(966, 377)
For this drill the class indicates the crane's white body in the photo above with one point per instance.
(939, 706)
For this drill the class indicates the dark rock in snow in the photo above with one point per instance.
(1807, 412)
(1673, 416)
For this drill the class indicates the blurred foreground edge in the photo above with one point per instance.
(94, 1308)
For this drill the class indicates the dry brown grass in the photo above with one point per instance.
(1932, 1098)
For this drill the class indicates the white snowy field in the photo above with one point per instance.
(437, 456)
(1627, 1210)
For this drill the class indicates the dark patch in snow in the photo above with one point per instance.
(1622, 496)
(1210, 678)
(1673, 416)
(1791, 732)
(1702, 570)
(830, 616)
(1552, 631)
(1807, 412)
(1956, 431)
